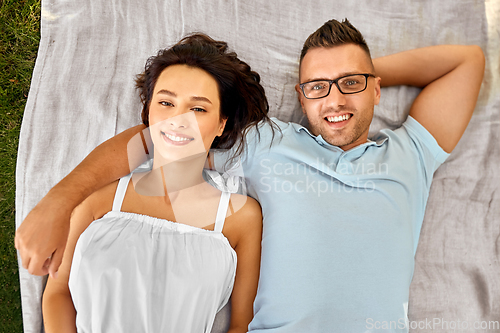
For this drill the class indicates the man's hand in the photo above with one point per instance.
(41, 238)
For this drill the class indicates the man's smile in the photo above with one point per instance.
(338, 121)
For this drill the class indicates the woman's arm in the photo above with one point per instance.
(248, 220)
(59, 314)
(44, 231)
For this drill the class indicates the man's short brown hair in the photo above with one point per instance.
(334, 33)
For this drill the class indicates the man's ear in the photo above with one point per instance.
(300, 96)
(376, 98)
(222, 125)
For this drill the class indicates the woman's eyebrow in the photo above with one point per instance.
(166, 92)
(193, 98)
(201, 99)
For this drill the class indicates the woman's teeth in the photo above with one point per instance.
(176, 138)
(337, 119)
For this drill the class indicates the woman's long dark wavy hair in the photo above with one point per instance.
(242, 99)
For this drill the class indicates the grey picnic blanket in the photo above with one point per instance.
(82, 93)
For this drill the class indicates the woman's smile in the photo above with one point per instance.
(176, 139)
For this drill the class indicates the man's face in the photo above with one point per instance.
(342, 120)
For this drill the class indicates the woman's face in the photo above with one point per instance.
(184, 113)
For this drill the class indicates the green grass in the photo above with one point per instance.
(19, 38)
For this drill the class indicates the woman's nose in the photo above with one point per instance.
(181, 120)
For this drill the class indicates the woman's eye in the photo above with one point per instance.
(164, 103)
(199, 109)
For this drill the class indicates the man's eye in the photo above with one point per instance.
(318, 87)
(350, 82)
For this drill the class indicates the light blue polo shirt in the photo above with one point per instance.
(340, 228)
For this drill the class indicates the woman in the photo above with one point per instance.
(159, 254)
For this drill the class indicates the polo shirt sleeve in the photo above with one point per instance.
(430, 153)
(425, 154)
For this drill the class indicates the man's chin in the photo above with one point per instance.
(344, 142)
(345, 138)
(339, 142)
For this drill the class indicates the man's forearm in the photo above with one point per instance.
(106, 163)
(450, 76)
(41, 238)
(420, 67)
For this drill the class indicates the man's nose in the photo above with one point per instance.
(335, 98)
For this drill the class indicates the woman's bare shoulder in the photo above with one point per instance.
(244, 219)
(244, 206)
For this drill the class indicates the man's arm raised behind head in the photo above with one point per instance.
(44, 231)
(450, 76)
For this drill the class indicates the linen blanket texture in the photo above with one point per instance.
(82, 93)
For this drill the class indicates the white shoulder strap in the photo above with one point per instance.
(221, 211)
(121, 189)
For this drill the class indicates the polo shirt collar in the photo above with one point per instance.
(319, 139)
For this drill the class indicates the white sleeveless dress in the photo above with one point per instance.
(135, 273)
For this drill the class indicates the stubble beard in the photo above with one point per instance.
(342, 137)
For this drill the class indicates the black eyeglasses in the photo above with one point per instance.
(349, 84)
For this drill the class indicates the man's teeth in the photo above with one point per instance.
(336, 119)
(176, 138)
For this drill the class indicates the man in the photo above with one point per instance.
(342, 213)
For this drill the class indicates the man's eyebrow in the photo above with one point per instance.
(338, 76)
